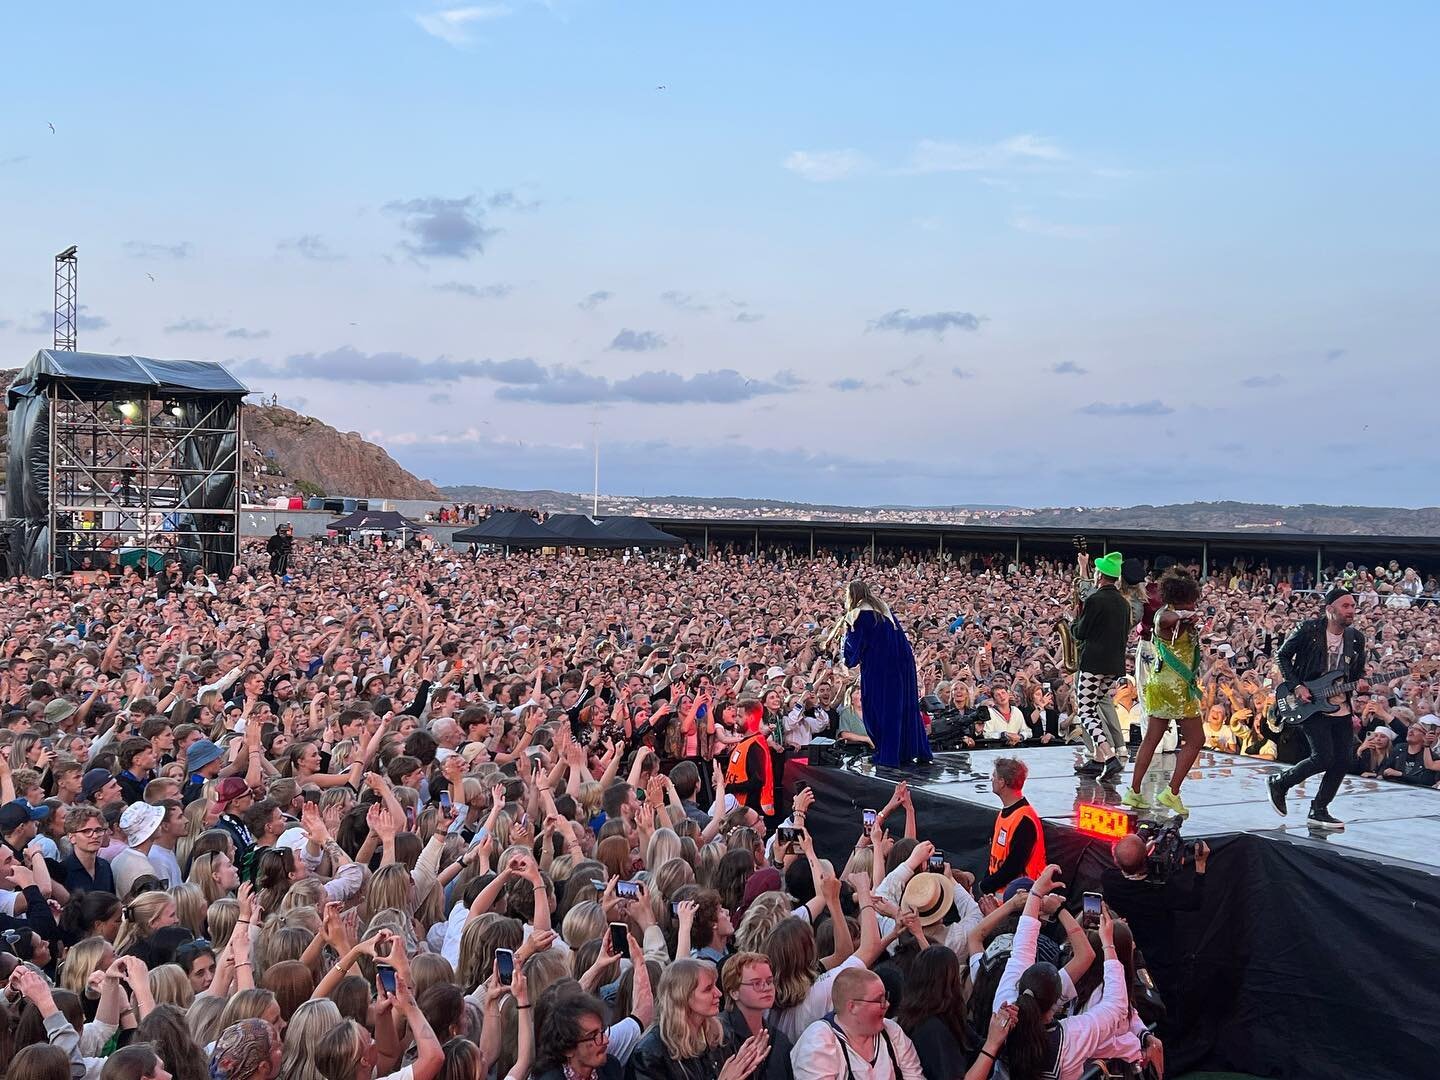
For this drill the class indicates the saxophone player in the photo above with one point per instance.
(1101, 629)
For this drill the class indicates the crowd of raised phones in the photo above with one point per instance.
(414, 814)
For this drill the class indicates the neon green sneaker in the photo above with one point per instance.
(1136, 801)
(1170, 799)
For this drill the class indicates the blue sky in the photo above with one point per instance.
(923, 253)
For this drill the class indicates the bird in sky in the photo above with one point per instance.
(659, 88)
(149, 275)
(52, 126)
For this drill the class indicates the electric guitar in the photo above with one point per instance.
(1289, 710)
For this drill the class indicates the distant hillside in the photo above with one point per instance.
(301, 455)
(1239, 517)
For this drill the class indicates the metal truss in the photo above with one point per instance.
(119, 481)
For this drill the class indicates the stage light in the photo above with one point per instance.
(1104, 822)
(177, 411)
(130, 410)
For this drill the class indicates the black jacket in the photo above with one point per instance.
(1304, 656)
(650, 1060)
(777, 1065)
(1101, 632)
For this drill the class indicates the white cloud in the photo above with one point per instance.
(1027, 224)
(822, 166)
(938, 155)
(453, 25)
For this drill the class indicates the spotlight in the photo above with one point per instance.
(130, 410)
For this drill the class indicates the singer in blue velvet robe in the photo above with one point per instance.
(889, 693)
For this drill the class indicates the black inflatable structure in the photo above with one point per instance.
(122, 459)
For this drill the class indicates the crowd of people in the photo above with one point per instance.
(472, 514)
(411, 814)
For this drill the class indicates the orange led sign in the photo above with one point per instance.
(1107, 822)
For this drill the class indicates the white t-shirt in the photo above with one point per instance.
(794, 1020)
(821, 1054)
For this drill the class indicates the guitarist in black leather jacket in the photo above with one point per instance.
(1316, 647)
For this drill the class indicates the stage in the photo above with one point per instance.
(1315, 955)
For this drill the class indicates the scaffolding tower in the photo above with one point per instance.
(129, 460)
(66, 298)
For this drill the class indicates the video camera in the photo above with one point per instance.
(1169, 851)
(949, 727)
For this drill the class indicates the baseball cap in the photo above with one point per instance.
(1015, 886)
(230, 789)
(775, 673)
(139, 822)
(17, 813)
(94, 780)
(1429, 720)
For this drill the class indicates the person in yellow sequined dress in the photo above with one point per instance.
(1172, 692)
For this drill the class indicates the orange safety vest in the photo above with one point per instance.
(735, 772)
(1005, 823)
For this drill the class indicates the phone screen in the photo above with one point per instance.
(386, 975)
(504, 966)
(619, 939)
(1090, 913)
(867, 817)
(445, 800)
(627, 890)
(936, 863)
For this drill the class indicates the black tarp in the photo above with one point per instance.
(637, 532)
(1302, 964)
(215, 451)
(27, 485)
(581, 530)
(383, 520)
(511, 528)
(102, 377)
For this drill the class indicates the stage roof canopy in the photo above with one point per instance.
(103, 375)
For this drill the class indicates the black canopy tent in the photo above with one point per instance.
(637, 532)
(511, 528)
(582, 531)
(380, 520)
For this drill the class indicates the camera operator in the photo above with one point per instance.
(1148, 899)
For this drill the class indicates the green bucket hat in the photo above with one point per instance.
(1111, 565)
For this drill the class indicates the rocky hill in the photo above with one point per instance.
(317, 457)
(291, 453)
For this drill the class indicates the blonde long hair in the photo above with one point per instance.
(858, 595)
(679, 1031)
(308, 1023)
(139, 914)
(82, 961)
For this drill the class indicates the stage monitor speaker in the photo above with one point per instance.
(825, 754)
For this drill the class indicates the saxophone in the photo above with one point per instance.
(1069, 650)
(837, 632)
